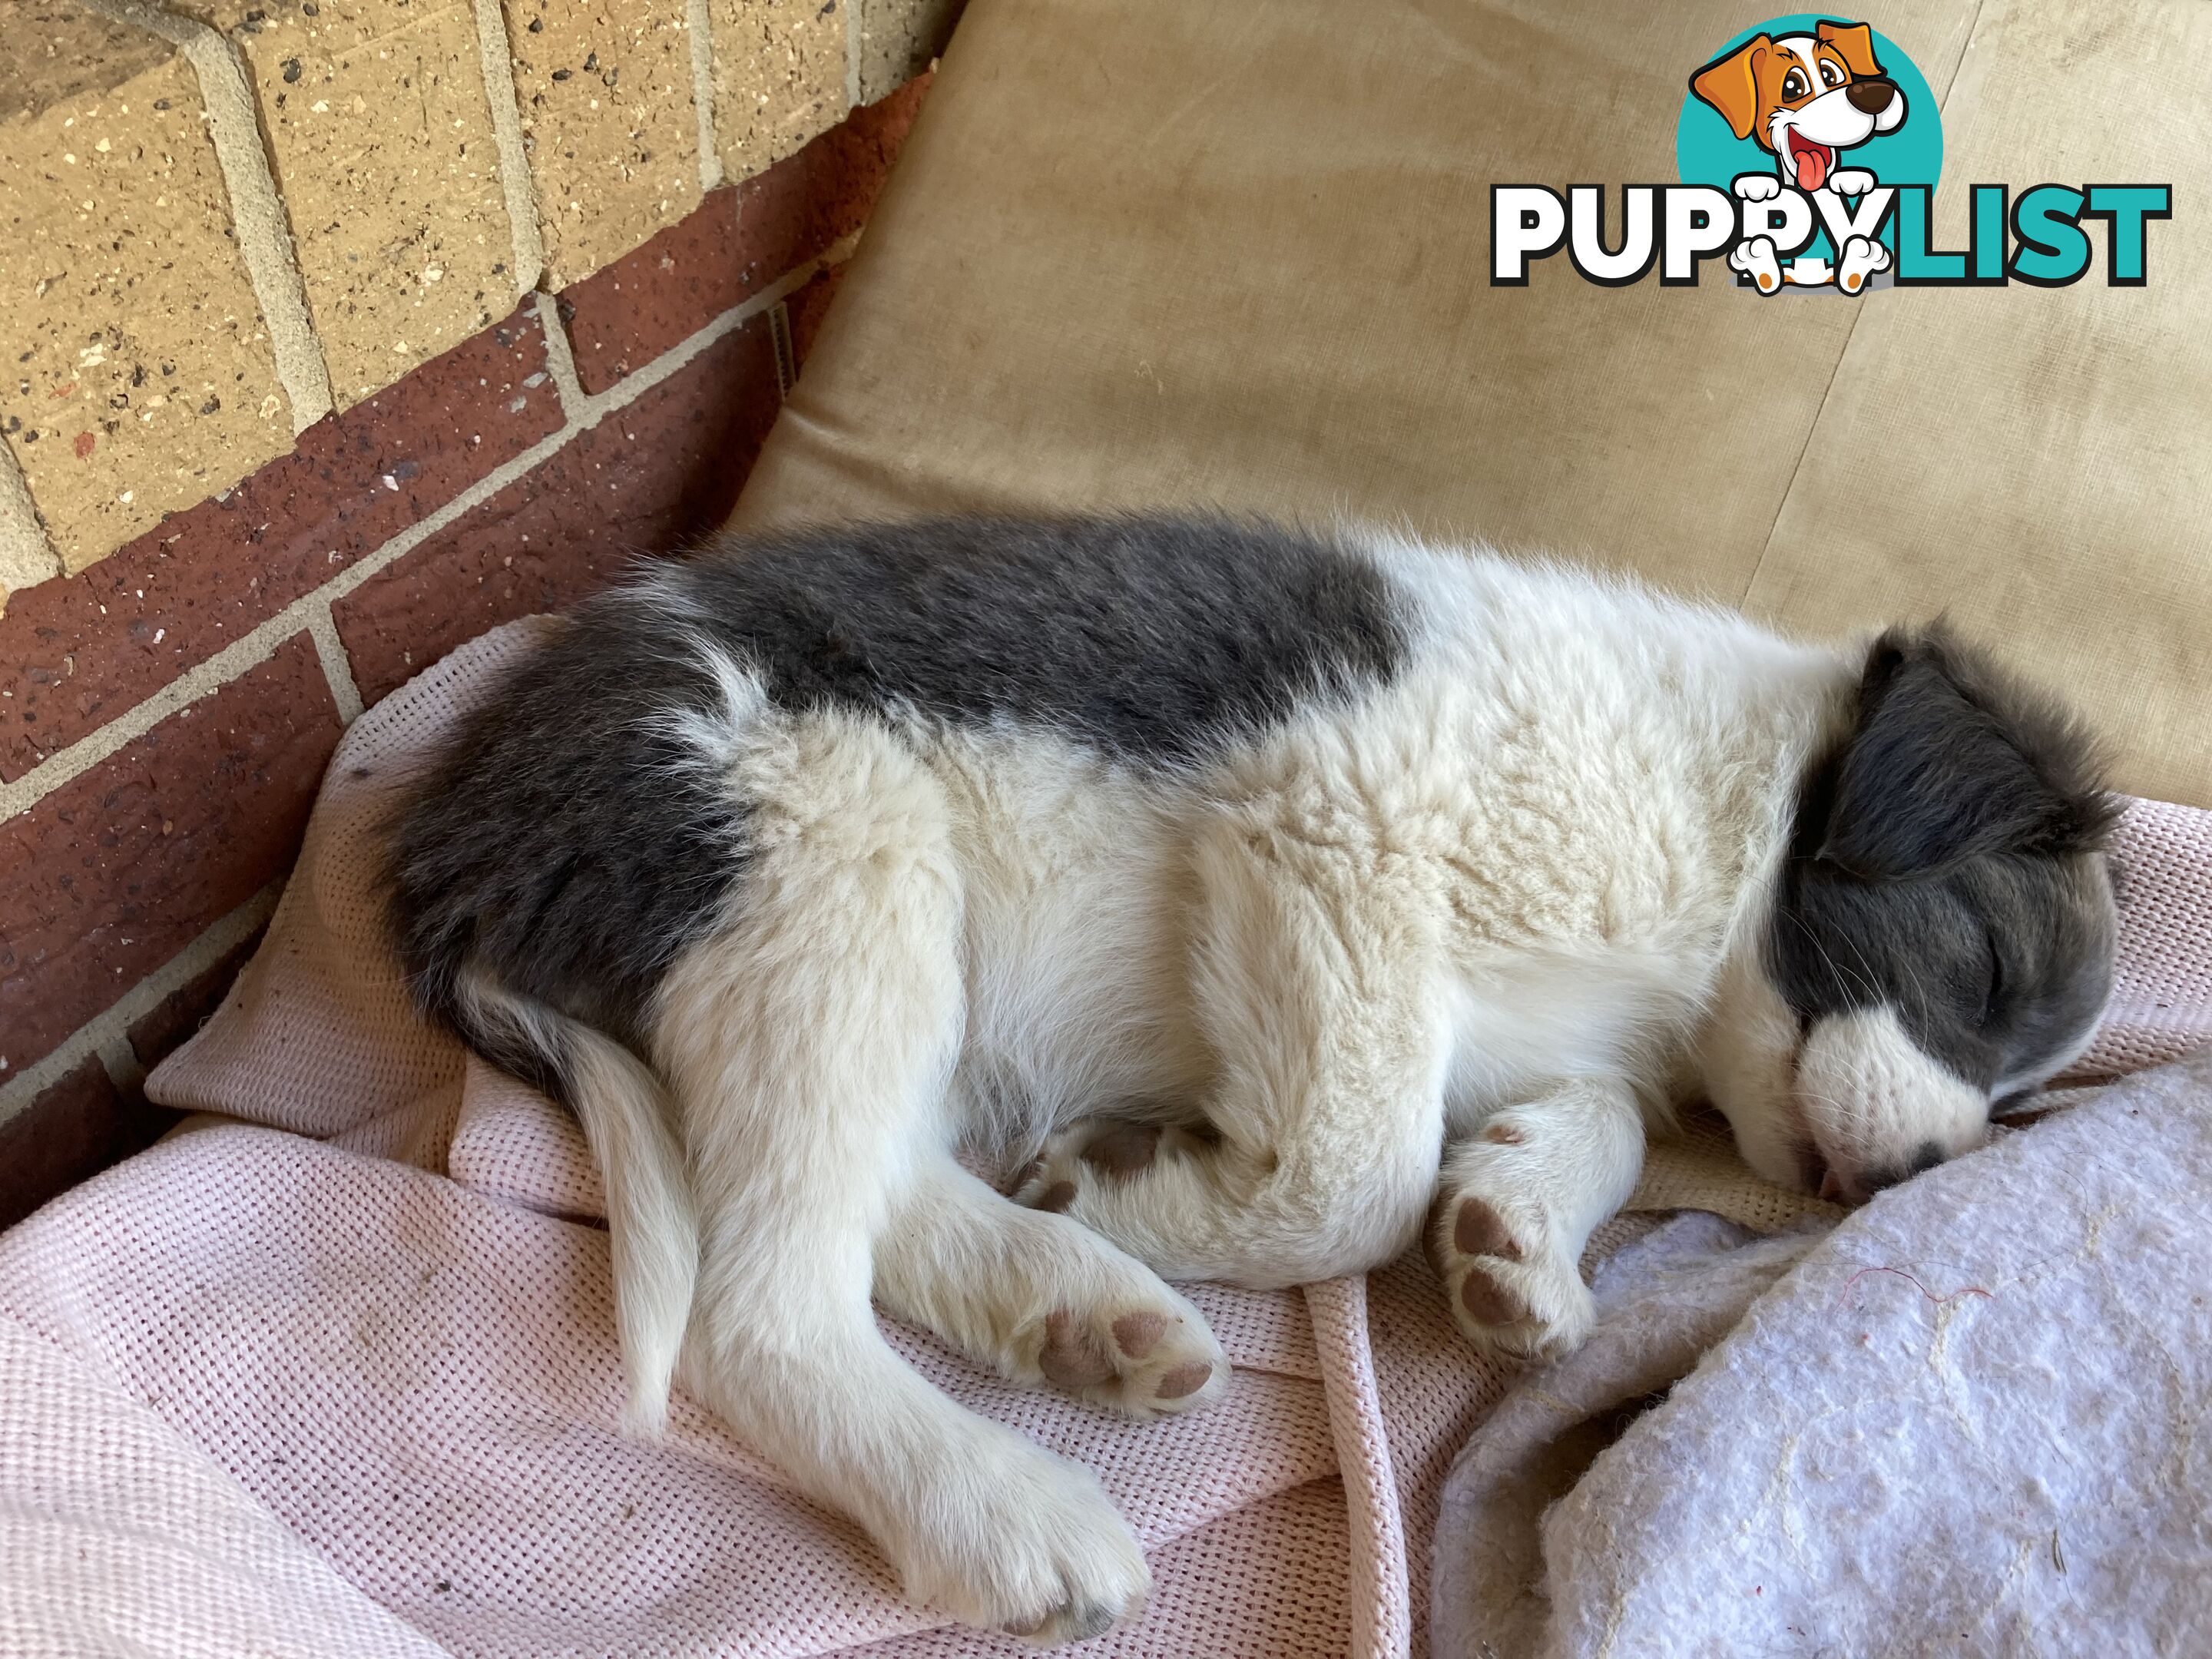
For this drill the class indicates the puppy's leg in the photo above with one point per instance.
(1520, 1200)
(1315, 977)
(1043, 1299)
(807, 1047)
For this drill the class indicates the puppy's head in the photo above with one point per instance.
(1804, 97)
(1941, 934)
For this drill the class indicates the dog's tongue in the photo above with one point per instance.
(1812, 164)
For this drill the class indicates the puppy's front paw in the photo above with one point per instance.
(1850, 181)
(1758, 186)
(1513, 1290)
(1020, 1541)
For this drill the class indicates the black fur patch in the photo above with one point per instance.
(1152, 639)
(568, 846)
(1940, 865)
(565, 841)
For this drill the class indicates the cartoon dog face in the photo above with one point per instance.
(1805, 97)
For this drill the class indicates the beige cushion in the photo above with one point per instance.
(1145, 252)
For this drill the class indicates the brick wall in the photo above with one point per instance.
(339, 332)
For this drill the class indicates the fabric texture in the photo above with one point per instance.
(1965, 1420)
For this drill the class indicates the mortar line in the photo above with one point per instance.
(497, 53)
(699, 21)
(121, 1062)
(111, 1025)
(853, 33)
(337, 670)
(561, 358)
(256, 646)
(256, 212)
(28, 554)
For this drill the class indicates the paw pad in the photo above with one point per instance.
(1480, 1232)
(1138, 1334)
(1489, 1302)
(1184, 1381)
(1073, 1358)
(1123, 1150)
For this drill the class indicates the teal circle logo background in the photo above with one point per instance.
(1707, 152)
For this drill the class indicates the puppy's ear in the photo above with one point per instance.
(1855, 42)
(1730, 84)
(1951, 760)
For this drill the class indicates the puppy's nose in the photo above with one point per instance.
(1876, 1180)
(1871, 97)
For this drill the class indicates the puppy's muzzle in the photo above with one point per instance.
(1871, 97)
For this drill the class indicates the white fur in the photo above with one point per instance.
(651, 1223)
(1866, 1088)
(1490, 904)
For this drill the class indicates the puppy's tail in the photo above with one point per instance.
(651, 1221)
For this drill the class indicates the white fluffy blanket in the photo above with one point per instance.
(1967, 1421)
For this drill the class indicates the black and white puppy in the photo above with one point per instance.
(1257, 883)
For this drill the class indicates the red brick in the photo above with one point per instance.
(807, 308)
(646, 479)
(735, 244)
(627, 314)
(78, 652)
(75, 1129)
(111, 875)
(183, 1012)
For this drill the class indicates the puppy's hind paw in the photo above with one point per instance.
(1143, 1357)
(1089, 1154)
(1024, 1543)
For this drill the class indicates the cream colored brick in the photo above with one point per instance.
(898, 40)
(55, 51)
(779, 77)
(381, 141)
(606, 94)
(138, 376)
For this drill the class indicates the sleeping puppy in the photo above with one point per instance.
(1256, 885)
